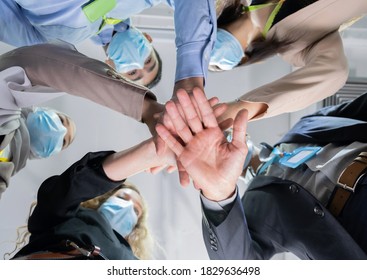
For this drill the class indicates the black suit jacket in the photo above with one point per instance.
(58, 215)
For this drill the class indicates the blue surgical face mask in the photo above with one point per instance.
(120, 214)
(129, 50)
(227, 52)
(46, 132)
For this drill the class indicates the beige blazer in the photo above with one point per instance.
(64, 69)
(317, 51)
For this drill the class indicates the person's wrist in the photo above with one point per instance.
(150, 151)
(150, 108)
(254, 109)
(222, 193)
(189, 84)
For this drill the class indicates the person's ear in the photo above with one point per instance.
(149, 38)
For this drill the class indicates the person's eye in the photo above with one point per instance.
(148, 60)
(123, 197)
(132, 73)
(62, 120)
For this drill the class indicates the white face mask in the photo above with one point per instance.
(120, 214)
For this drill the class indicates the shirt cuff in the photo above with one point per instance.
(217, 212)
(191, 61)
(225, 204)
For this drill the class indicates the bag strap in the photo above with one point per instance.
(75, 252)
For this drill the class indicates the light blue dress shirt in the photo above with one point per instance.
(34, 22)
(196, 31)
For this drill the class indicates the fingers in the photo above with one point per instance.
(213, 101)
(178, 122)
(240, 127)
(171, 168)
(183, 175)
(203, 110)
(157, 169)
(207, 115)
(220, 109)
(159, 145)
(190, 111)
(224, 125)
(170, 141)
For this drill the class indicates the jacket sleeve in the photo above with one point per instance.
(59, 196)
(231, 239)
(65, 69)
(354, 109)
(323, 70)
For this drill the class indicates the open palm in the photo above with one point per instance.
(213, 163)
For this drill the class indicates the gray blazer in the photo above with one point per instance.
(301, 226)
(65, 69)
(280, 216)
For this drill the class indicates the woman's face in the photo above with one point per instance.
(69, 124)
(134, 197)
(227, 52)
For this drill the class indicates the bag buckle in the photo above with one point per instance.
(351, 175)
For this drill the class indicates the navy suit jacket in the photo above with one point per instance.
(277, 215)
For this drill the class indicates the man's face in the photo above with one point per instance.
(132, 55)
(146, 75)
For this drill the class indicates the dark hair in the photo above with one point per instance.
(258, 50)
(228, 11)
(158, 77)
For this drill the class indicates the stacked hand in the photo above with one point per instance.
(201, 149)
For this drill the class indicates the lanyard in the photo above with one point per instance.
(272, 16)
(276, 156)
(98, 9)
(3, 159)
(106, 20)
(292, 160)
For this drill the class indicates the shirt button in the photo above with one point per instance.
(293, 189)
(318, 211)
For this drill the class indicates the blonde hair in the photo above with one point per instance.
(140, 240)
(22, 234)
